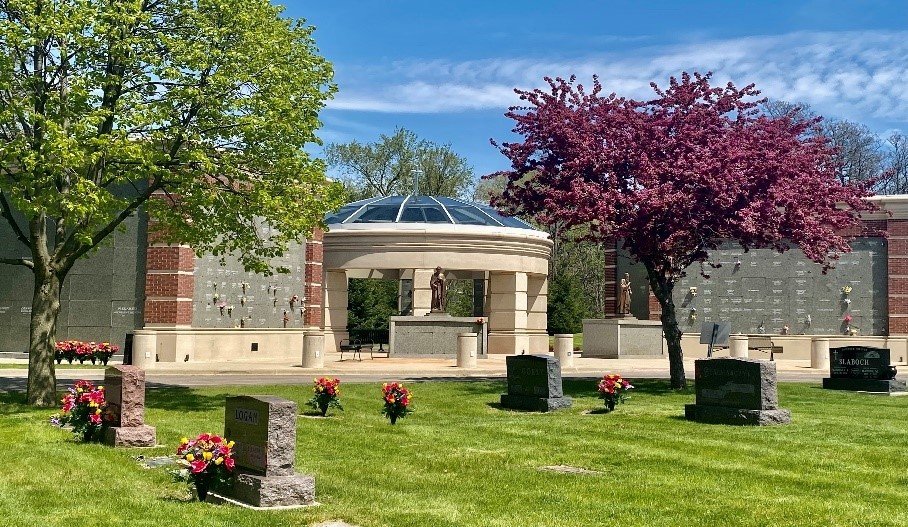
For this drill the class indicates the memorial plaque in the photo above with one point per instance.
(859, 362)
(736, 391)
(124, 391)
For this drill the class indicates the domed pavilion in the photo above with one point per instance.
(404, 238)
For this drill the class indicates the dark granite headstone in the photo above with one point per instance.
(534, 383)
(263, 428)
(736, 391)
(862, 368)
(124, 391)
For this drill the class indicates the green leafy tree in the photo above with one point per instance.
(372, 303)
(567, 305)
(196, 110)
(387, 167)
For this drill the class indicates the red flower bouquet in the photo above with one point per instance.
(326, 394)
(207, 462)
(612, 388)
(85, 409)
(397, 401)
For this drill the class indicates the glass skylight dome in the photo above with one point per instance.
(421, 209)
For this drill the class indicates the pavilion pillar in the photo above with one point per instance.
(335, 298)
(422, 291)
(508, 313)
(537, 313)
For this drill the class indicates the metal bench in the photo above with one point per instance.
(353, 346)
(764, 345)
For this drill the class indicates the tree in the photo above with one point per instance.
(567, 306)
(195, 110)
(895, 175)
(675, 176)
(386, 167)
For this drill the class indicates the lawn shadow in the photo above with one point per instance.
(180, 398)
(13, 402)
(586, 387)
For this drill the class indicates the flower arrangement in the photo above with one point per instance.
(612, 388)
(82, 351)
(326, 393)
(207, 463)
(480, 321)
(397, 401)
(785, 330)
(85, 409)
(846, 290)
(847, 318)
(293, 300)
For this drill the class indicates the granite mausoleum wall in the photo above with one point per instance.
(102, 298)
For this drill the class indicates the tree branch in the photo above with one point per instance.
(7, 212)
(18, 261)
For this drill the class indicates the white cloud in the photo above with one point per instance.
(853, 75)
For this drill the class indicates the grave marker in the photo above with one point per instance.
(534, 383)
(124, 391)
(263, 428)
(862, 368)
(736, 391)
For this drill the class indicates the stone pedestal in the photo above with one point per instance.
(819, 353)
(737, 346)
(534, 383)
(433, 335)
(124, 390)
(263, 428)
(614, 338)
(736, 391)
(466, 350)
(865, 385)
(564, 349)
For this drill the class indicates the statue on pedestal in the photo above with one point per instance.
(437, 282)
(624, 295)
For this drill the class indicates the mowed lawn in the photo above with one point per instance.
(461, 460)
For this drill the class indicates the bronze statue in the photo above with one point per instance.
(437, 283)
(624, 295)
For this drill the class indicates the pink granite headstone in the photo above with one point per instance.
(124, 390)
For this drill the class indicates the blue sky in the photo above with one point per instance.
(447, 70)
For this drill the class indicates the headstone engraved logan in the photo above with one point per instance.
(534, 383)
(736, 391)
(862, 368)
(263, 428)
(124, 391)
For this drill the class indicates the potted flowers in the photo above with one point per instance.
(66, 349)
(103, 351)
(612, 388)
(397, 401)
(207, 463)
(326, 394)
(85, 409)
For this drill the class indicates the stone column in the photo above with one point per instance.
(313, 349)
(737, 345)
(819, 353)
(335, 309)
(422, 291)
(508, 313)
(537, 313)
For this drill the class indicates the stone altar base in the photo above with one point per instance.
(864, 385)
(535, 404)
(720, 415)
(272, 491)
(130, 436)
(614, 338)
(433, 335)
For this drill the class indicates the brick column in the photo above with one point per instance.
(313, 280)
(610, 278)
(898, 276)
(169, 283)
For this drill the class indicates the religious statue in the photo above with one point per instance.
(437, 283)
(624, 295)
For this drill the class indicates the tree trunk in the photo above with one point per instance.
(42, 380)
(662, 287)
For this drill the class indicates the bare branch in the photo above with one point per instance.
(7, 212)
(18, 261)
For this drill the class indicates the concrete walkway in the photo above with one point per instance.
(386, 369)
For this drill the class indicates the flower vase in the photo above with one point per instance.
(610, 404)
(94, 360)
(393, 418)
(59, 360)
(104, 360)
(88, 435)
(323, 408)
(201, 489)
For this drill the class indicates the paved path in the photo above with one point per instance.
(385, 369)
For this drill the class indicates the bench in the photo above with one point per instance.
(355, 347)
(765, 345)
(381, 349)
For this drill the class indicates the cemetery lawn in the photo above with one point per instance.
(460, 460)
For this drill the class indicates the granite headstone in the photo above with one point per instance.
(534, 383)
(862, 368)
(736, 391)
(124, 391)
(263, 428)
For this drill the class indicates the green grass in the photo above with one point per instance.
(578, 341)
(461, 460)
